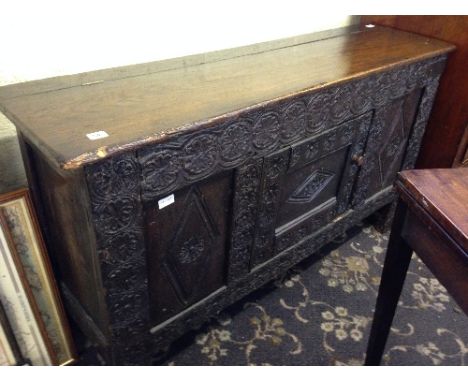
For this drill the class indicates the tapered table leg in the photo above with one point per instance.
(393, 276)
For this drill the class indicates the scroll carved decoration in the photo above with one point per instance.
(114, 188)
(190, 157)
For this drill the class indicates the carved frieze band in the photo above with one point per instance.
(193, 156)
(114, 189)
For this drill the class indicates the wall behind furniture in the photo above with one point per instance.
(449, 116)
(46, 39)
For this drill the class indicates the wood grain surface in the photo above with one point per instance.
(444, 194)
(135, 110)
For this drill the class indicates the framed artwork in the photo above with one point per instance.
(10, 355)
(19, 305)
(18, 217)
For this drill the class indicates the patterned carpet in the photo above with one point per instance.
(321, 313)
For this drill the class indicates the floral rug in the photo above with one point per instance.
(321, 314)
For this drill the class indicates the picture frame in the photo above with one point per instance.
(19, 304)
(19, 218)
(10, 354)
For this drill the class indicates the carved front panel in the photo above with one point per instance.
(387, 144)
(306, 185)
(186, 244)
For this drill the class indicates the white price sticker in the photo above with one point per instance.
(97, 135)
(164, 202)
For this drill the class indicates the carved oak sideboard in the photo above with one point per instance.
(169, 190)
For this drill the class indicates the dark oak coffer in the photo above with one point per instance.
(215, 177)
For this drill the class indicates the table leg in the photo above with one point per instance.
(393, 276)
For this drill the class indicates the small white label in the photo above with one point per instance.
(370, 26)
(164, 202)
(97, 135)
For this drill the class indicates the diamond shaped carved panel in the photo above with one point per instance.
(311, 187)
(185, 263)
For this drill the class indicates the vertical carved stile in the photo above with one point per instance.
(359, 130)
(247, 182)
(274, 168)
(414, 144)
(114, 188)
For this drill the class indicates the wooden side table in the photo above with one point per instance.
(432, 220)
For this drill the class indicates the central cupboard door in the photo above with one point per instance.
(306, 185)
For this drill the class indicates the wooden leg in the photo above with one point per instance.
(393, 276)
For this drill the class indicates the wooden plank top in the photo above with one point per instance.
(443, 193)
(136, 109)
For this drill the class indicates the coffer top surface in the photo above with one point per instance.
(149, 103)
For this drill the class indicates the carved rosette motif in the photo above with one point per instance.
(191, 250)
(116, 212)
(166, 167)
(294, 121)
(161, 170)
(266, 131)
(200, 156)
(240, 133)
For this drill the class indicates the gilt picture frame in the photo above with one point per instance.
(17, 212)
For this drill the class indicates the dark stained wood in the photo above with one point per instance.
(444, 194)
(450, 114)
(150, 108)
(255, 190)
(187, 245)
(432, 220)
(318, 181)
(461, 158)
(61, 202)
(387, 144)
(396, 265)
(445, 257)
